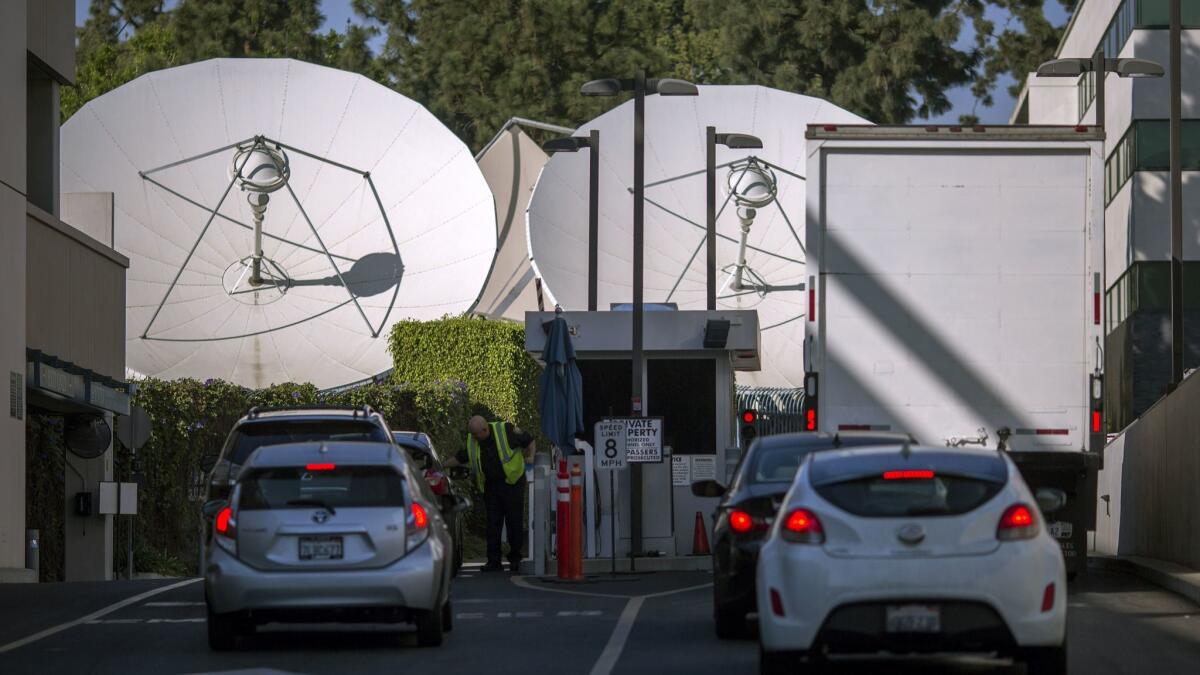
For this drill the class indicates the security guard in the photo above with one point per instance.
(499, 471)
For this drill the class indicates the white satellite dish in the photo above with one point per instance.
(760, 200)
(279, 218)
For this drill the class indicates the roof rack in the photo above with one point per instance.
(364, 409)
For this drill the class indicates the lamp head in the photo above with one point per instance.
(667, 86)
(1064, 68)
(739, 141)
(566, 144)
(1138, 68)
(609, 86)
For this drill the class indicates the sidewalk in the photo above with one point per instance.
(1171, 576)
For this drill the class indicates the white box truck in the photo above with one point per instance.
(954, 292)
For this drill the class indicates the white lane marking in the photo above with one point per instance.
(173, 604)
(109, 622)
(616, 642)
(520, 581)
(95, 615)
(469, 615)
(529, 615)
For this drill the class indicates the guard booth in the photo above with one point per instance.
(690, 359)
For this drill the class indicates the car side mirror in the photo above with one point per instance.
(211, 509)
(1050, 500)
(208, 462)
(708, 488)
(459, 472)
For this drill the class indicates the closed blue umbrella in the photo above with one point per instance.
(560, 396)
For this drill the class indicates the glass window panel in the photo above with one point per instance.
(1153, 150)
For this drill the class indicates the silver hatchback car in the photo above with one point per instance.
(328, 532)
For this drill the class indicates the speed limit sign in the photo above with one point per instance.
(610, 444)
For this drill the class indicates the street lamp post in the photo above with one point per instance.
(575, 144)
(1176, 136)
(736, 142)
(640, 86)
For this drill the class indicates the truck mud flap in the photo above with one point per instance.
(1075, 474)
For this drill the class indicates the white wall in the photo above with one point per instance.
(1151, 239)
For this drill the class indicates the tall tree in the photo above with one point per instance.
(475, 63)
(123, 39)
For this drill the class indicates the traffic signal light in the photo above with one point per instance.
(749, 426)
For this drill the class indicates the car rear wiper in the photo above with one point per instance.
(309, 501)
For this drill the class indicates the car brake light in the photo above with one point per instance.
(320, 467)
(802, 527)
(909, 474)
(776, 603)
(740, 521)
(225, 527)
(1018, 522)
(1048, 597)
(420, 518)
(417, 526)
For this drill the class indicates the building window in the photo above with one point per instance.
(1146, 147)
(1157, 14)
(1146, 285)
(1132, 14)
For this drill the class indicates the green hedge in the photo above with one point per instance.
(488, 356)
(45, 485)
(191, 420)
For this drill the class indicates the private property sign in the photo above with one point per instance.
(619, 440)
(644, 439)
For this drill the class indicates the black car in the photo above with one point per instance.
(748, 506)
(426, 463)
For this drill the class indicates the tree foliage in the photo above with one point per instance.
(475, 63)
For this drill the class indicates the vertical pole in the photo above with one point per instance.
(593, 218)
(710, 177)
(1098, 70)
(638, 357)
(612, 517)
(1177, 350)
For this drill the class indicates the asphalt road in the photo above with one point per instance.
(653, 624)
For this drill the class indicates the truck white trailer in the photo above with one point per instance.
(954, 285)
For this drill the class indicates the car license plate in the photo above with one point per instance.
(914, 619)
(320, 548)
(1060, 529)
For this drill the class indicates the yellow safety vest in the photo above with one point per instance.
(513, 462)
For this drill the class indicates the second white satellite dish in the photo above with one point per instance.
(279, 218)
(760, 224)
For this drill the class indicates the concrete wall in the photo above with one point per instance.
(50, 27)
(1151, 477)
(78, 288)
(91, 213)
(12, 280)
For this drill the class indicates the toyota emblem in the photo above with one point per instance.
(320, 517)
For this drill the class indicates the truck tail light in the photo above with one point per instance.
(1017, 523)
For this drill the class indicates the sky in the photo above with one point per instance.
(338, 11)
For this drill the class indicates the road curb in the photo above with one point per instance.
(1171, 576)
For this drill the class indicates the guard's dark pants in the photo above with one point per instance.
(505, 506)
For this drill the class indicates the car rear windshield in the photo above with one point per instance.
(778, 463)
(253, 436)
(879, 497)
(892, 485)
(343, 486)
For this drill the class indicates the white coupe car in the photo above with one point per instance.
(901, 550)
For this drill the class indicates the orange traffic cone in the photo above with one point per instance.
(700, 538)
